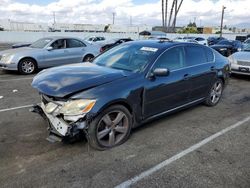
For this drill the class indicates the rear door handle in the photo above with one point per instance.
(186, 76)
(212, 68)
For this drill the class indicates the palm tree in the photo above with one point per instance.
(162, 12)
(166, 13)
(177, 8)
(171, 13)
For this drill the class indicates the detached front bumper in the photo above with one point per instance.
(57, 125)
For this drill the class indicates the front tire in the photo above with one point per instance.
(215, 93)
(110, 128)
(27, 66)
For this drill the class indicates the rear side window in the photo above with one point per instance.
(72, 43)
(59, 44)
(210, 55)
(195, 55)
(172, 59)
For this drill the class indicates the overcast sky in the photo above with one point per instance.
(205, 12)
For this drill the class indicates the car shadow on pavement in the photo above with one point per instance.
(241, 77)
(164, 118)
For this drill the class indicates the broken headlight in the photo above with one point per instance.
(77, 107)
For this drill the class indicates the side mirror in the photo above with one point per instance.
(49, 48)
(160, 72)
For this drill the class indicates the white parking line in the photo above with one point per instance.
(15, 108)
(16, 79)
(165, 163)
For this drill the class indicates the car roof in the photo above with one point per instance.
(61, 37)
(160, 44)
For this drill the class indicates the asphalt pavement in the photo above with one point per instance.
(28, 160)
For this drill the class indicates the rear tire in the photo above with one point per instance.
(110, 128)
(215, 93)
(88, 58)
(27, 66)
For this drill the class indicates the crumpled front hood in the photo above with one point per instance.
(69, 79)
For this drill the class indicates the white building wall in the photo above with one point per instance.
(10, 25)
(15, 37)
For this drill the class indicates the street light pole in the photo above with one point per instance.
(113, 13)
(222, 17)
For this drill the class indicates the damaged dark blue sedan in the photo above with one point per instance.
(126, 87)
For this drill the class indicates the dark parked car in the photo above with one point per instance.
(227, 47)
(241, 38)
(114, 42)
(214, 40)
(127, 86)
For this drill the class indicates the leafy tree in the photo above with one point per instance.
(191, 24)
(189, 30)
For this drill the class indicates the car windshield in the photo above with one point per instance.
(247, 41)
(131, 58)
(41, 43)
(246, 48)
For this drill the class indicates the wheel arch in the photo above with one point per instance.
(122, 102)
(28, 57)
(222, 77)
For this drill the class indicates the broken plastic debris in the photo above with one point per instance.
(1, 97)
(15, 90)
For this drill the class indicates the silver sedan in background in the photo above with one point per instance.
(48, 52)
(240, 61)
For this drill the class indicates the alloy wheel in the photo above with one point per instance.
(28, 67)
(112, 128)
(216, 92)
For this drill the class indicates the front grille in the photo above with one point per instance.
(46, 99)
(243, 63)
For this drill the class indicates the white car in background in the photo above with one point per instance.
(95, 39)
(179, 39)
(240, 61)
(200, 40)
